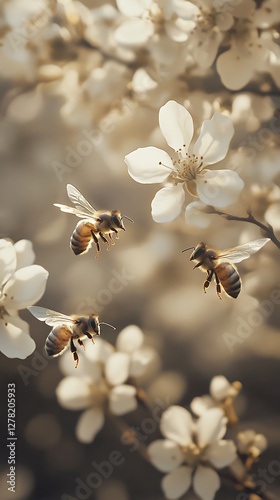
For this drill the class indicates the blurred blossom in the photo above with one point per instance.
(150, 17)
(250, 51)
(249, 442)
(102, 382)
(148, 165)
(222, 394)
(191, 451)
(22, 284)
(250, 111)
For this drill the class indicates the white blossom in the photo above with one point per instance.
(22, 284)
(250, 442)
(187, 172)
(97, 387)
(220, 392)
(149, 17)
(191, 451)
(102, 382)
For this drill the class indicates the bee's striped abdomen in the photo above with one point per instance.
(81, 237)
(57, 340)
(229, 279)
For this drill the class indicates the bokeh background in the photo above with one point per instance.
(66, 79)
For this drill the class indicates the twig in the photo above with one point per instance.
(267, 229)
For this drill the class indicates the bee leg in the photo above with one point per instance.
(115, 231)
(74, 352)
(89, 336)
(80, 342)
(111, 238)
(95, 239)
(105, 240)
(218, 287)
(207, 282)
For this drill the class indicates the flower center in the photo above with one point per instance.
(192, 454)
(99, 392)
(154, 14)
(186, 167)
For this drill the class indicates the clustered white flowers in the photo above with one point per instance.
(191, 452)
(104, 381)
(22, 284)
(111, 70)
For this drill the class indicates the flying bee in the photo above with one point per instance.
(220, 264)
(95, 224)
(67, 329)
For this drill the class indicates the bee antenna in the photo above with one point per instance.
(107, 324)
(190, 248)
(126, 217)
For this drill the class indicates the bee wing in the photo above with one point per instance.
(242, 252)
(79, 213)
(79, 200)
(51, 318)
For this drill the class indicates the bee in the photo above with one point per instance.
(220, 264)
(95, 224)
(67, 329)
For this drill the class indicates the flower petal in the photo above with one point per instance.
(24, 252)
(176, 424)
(165, 455)
(142, 361)
(134, 32)
(220, 388)
(117, 368)
(133, 8)
(122, 399)
(89, 424)
(214, 139)
(221, 453)
(195, 216)
(149, 165)
(210, 427)
(219, 188)
(206, 482)
(101, 352)
(177, 483)
(8, 260)
(167, 203)
(235, 67)
(15, 341)
(130, 339)
(201, 404)
(27, 287)
(185, 9)
(74, 393)
(176, 125)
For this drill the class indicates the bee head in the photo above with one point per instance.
(199, 250)
(117, 219)
(93, 324)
